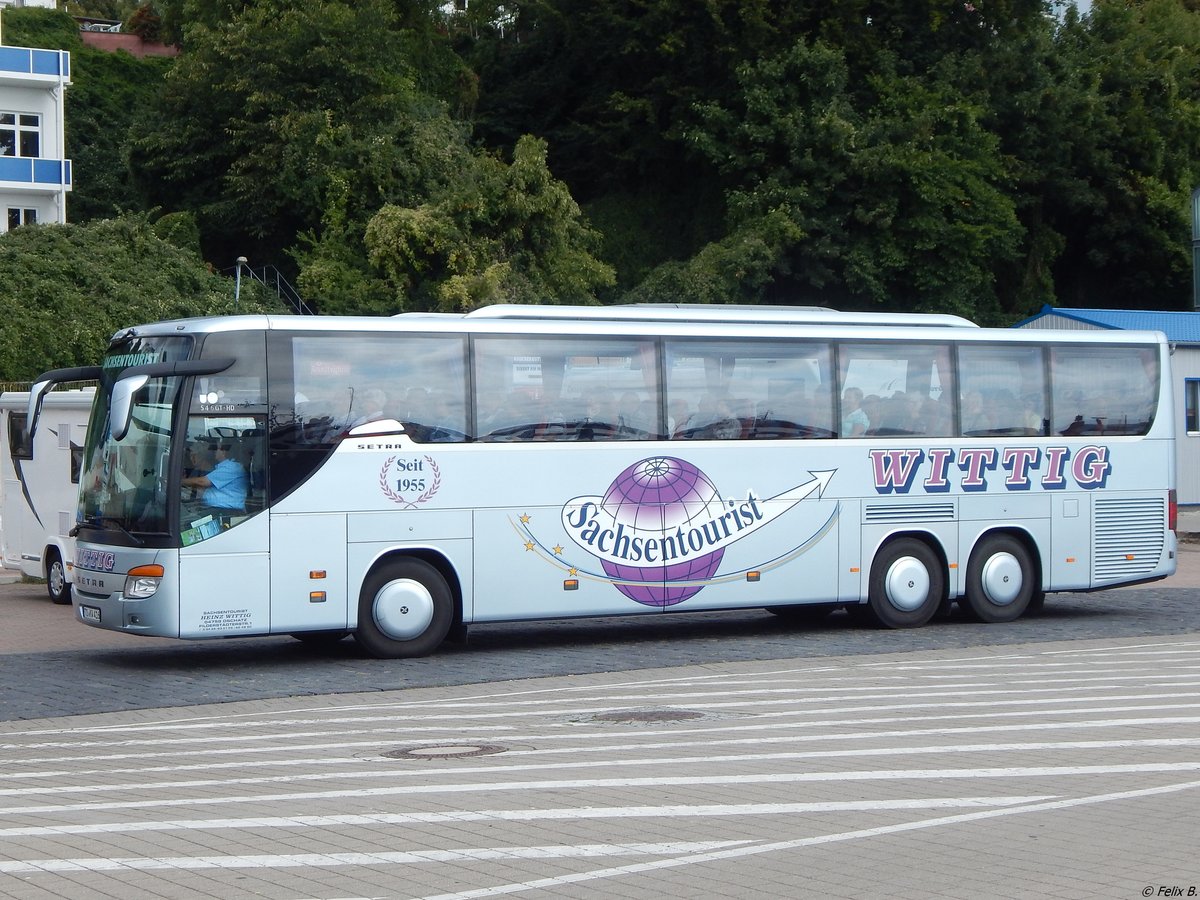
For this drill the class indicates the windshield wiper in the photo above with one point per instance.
(101, 521)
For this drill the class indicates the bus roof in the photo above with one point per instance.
(662, 321)
(704, 312)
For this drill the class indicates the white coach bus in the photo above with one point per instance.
(401, 479)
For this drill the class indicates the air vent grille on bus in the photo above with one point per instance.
(903, 512)
(1129, 537)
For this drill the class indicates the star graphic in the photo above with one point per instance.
(572, 571)
(558, 549)
(529, 545)
(525, 518)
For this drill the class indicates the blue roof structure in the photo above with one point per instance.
(1179, 327)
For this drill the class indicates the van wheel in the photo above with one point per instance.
(907, 584)
(405, 609)
(1000, 579)
(56, 579)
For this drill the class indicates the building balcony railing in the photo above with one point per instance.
(36, 174)
(23, 64)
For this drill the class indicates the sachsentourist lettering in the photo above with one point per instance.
(125, 360)
(594, 529)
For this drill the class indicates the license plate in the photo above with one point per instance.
(89, 613)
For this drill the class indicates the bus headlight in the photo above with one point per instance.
(142, 581)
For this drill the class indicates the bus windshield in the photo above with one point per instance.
(122, 487)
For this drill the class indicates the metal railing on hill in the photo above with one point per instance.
(60, 386)
(272, 279)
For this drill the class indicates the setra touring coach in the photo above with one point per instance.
(402, 479)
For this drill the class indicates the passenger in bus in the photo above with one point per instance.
(1032, 416)
(628, 418)
(854, 418)
(715, 419)
(428, 419)
(914, 421)
(679, 413)
(601, 421)
(374, 401)
(1077, 427)
(223, 490)
(936, 416)
(974, 419)
(872, 405)
(894, 416)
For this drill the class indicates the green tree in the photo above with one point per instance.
(330, 113)
(896, 205)
(617, 89)
(66, 289)
(296, 95)
(503, 233)
(1125, 216)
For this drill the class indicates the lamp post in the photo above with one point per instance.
(237, 281)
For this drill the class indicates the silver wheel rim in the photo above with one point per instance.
(907, 583)
(57, 579)
(1002, 579)
(403, 609)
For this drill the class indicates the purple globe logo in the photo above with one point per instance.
(665, 498)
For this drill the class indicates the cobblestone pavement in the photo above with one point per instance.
(707, 756)
(1064, 769)
(52, 666)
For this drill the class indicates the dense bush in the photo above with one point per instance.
(65, 289)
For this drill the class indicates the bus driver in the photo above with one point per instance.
(224, 488)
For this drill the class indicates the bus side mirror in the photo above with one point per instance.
(34, 410)
(47, 380)
(121, 410)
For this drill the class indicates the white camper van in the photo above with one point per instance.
(41, 485)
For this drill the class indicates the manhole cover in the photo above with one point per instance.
(444, 751)
(639, 716)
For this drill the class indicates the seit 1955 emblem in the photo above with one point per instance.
(409, 481)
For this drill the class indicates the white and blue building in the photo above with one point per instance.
(1183, 332)
(35, 174)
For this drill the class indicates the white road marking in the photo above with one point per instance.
(520, 815)
(331, 860)
(777, 846)
(651, 782)
(502, 767)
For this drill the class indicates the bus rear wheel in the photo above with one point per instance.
(56, 579)
(1001, 580)
(405, 609)
(907, 584)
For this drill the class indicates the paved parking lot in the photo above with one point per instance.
(958, 761)
(1061, 769)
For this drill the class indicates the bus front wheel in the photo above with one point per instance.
(907, 584)
(1000, 579)
(405, 609)
(57, 585)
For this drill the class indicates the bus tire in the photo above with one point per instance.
(907, 584)
(1001, 579)
(405, 609)
(57, 585)
(1037, 604)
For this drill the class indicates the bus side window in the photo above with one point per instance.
(1103, 390)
